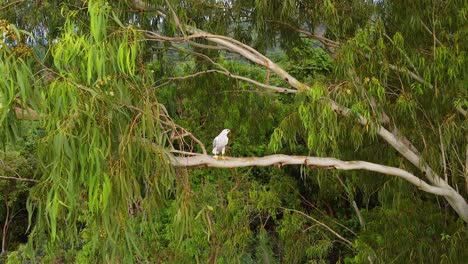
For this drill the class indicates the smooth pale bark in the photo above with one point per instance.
(250, 54)
(401, 144)
(319, 162)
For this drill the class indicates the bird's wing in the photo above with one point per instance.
(215, 140)
(221, 142)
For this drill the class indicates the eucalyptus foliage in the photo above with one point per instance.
(107, 95)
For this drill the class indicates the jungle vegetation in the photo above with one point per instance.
(348, 124)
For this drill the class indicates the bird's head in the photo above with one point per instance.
(225, 131)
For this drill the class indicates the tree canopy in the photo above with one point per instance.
(348, 128)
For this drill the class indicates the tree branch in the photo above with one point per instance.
(462, 111)
(250, 54)
(12, 3)
(230, 162)
(17, 179)
(362, 222)
(5, 226)
(238, 77)
(349, 243)
(327, 42)
(406, 150)
(413, 75)
(178, 132)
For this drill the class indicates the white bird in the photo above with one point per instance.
(220, 142)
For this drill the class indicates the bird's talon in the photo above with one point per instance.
(224, 158)
(215, 157)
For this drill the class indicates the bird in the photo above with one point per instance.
(220, 142)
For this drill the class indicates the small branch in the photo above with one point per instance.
(180, 78)
(165, 119)
(233, 46)
(353, 203)
(176, 18)
(442, 150)
(203, 46)
(323, 213)
(18, 179)
(238, 77)
(12, 3)
(228, 73)
(5, 225)
(349, 243)
(185, 153)
(8, 168)
(358, 212)
(413, 75)
(327, 42)
(430, 32)
(201, 55)
(466, 164)
(462, 111)
(175, 126)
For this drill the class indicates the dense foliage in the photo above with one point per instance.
(113, 90)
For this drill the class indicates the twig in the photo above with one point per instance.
(173, 126)
(349, 243)
(430, 32)
(203, 46)
(18, 179)
(12, 3)
(2, 163)
(324, 214)
(242, 78)
(353, 204)
(176, 18)
(229, 74)
(5, 225)
(185, 152)
(198, 54)
(327, 42)
(462, 111)
(442, 150)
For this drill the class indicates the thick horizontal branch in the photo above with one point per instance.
(319, 162)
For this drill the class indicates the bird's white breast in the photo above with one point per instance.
(221, 141)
